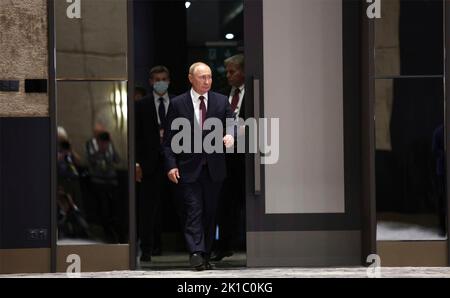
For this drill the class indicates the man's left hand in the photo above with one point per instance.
(228, 141)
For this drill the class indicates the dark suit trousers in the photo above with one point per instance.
(231, 216)
(200, 200)
(148, 206)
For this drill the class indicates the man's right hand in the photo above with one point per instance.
(174, 175)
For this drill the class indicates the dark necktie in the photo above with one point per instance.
(235, 100)
(162, 112)
(202, 110)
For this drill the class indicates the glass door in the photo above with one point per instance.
(92, 117)
(410, 133)
(303, 186)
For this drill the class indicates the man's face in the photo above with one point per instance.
(98, 129)
(201, 79)
(159, 76)
(235, 75)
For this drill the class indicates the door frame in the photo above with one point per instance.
(132, 235)
(369, 243)
(369, 220)
(447, 113)
(53, 131)
(351, 220)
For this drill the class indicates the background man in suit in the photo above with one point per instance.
(150, 117)
(198, 176)
(139, 93)
(103, 159)
(232, 202)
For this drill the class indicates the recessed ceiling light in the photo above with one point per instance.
(187, 4)
(229, 36)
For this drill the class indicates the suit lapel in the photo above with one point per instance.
(188, 102)
(242, 109)
(211, 106)
(154, 111)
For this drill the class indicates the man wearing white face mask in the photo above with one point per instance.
(150, 113)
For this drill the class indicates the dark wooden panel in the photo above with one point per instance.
(25, 182)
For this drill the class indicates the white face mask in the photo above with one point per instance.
(161, 87)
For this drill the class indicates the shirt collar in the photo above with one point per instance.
(241, 88)
(195, 96)
(157, 97)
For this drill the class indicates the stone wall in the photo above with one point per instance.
(23, 55)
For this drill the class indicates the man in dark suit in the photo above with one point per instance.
(232, 202)
(151, 112)
(198, 176)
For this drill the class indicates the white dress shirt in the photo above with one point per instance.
(196, 102)
(241, 98)
(166, 103)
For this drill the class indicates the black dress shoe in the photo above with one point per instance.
(197, 262)
(219, 255)
(206, 263)
(209, 266)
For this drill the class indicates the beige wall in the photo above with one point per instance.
(23, 55)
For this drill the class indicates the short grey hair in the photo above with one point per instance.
(236, 60)
(195, 65)
(62, 133)
(159, 69)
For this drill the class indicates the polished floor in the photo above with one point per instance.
(176, 265)
(405, 272)
(405, 227)
(174, 261)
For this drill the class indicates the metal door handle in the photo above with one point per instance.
(257, 113)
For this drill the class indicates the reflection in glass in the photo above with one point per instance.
(92, 161)
(408, 38)
(410, 166)
(95, 45)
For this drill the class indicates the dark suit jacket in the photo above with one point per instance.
(190, 164)
(148, 146)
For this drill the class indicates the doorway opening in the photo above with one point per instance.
(175, 34)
